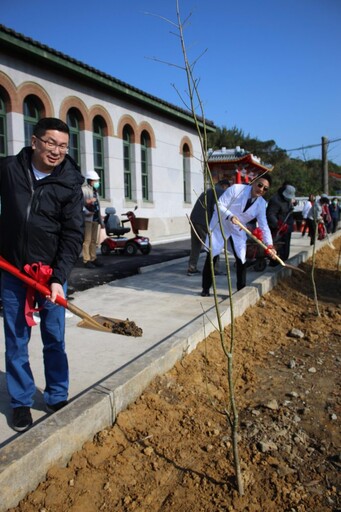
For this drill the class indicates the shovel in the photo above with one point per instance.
(330, 243)
(259, 242)
(97, 322)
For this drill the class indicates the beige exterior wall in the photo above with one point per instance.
(166, 210)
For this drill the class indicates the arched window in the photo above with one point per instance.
(72, 120)
(3, 128)
(127, 161)
(145, 164)
(32, 114)
(186, 168)
(98, 126)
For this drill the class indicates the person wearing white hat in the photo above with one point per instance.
(280, 219)
(93, 219)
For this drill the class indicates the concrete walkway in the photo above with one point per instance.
(110, 371)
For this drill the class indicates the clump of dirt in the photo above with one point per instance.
(116, 326)
(171, 451)
(125, 327)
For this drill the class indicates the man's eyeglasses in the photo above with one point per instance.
(261, 185)
(63, 148)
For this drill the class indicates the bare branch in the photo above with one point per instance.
(161, 18)
(165, 62)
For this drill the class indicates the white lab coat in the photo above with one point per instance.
(232, 202)
(306, 207)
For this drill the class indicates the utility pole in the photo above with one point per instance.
(325, 183)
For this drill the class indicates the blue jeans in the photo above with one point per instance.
(19, 377)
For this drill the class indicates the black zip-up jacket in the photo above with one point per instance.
(279, 209)
(41, 220)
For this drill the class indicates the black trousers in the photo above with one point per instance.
(305, 227)
(312, 230)
(240, 267)
(283, 246)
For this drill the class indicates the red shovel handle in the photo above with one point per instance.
(41, 288)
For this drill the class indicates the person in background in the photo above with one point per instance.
(238, 203)
(306, 208)
(41, 232)
(315, 217)
(280, 219)
(1, 308)
(198, 223)
(334, 211)
(93, 219)
(327, 220)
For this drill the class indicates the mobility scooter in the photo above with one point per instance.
(116, 242)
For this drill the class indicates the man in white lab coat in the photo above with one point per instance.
(244, 203)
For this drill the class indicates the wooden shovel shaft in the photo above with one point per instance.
(330, 243)
(88, 318)
(259, 242)
(45, 291)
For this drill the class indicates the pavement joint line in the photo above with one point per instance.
(156, 266)
(54, 439)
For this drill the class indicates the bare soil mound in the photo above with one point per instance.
(171, 450)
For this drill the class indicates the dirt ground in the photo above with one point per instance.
(171, 451)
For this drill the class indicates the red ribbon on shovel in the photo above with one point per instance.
(89, 321)
(41, 274)
(258, 233)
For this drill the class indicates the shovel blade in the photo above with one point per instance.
(292, 267)
(113, 325)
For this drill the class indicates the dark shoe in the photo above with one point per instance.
(56, 407)
(192, 272)
(97, 263)
(205, 293)
(89, 264)
(22, 419)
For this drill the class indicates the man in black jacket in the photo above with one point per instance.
(198, 222)
(41, 223)
(280, 219)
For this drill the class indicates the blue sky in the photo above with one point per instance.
(269, 67)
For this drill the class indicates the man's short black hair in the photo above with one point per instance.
(50, 123)
(266, 176)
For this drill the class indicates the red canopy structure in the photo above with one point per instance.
(335, 175)
(237, 165)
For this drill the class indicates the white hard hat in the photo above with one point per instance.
(91, 175)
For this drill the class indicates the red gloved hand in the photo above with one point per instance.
(268, 249)
(282, 227)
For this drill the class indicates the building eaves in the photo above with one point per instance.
(42, 52)
(234, 158)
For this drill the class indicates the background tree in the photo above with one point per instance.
(305, 175)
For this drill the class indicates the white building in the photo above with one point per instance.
(146, 150)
